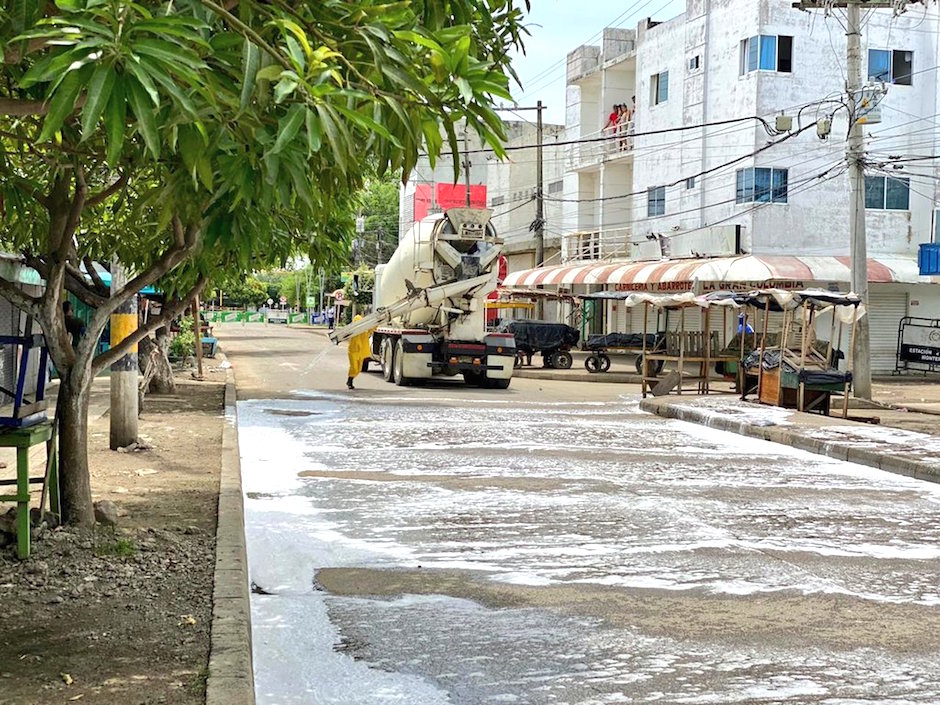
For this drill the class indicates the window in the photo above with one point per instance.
(887, 193)
(497, 200)
(767, 52)
(660, 88)
(556, 186)
(762, 185)
(890, 66)
(694, 63)
(690, 182)
(656, 201)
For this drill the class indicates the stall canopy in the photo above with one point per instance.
(752, 271)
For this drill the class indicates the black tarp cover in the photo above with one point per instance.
(542, 335)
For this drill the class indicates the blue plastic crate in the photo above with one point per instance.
(928, 259)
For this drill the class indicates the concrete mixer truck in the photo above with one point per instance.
(429, 304)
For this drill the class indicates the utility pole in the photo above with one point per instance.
(855, 153)
(539, 191)
(855, 156)
(124, 399)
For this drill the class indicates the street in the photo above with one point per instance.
(552, 544)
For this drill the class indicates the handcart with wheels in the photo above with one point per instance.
(600, 347)
(553, 340)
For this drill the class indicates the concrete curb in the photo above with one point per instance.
(917, 469)
(231, 675)
(567, 376)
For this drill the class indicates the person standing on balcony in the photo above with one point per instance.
(610, 127)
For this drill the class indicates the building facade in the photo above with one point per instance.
(733, 156)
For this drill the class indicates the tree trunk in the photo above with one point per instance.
(75, 485)
(162, 381)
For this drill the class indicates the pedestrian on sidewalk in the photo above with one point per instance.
(359, 352)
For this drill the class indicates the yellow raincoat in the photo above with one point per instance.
(359, 350)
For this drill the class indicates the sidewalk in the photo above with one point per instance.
(907, 443)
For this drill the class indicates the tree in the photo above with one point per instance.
(189, 137)
(379, 206)
(249, 291)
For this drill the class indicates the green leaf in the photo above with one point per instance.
(144, 79)
(204, 170)
(62, 103)
(116, 122)
(146, 120)
(466, 92)
(251, 60)
(332, 136)
(314, 137)
(284, 88)
(99, 91)
(288, 127)
(269, 73)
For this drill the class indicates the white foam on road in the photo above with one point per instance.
(704, 517)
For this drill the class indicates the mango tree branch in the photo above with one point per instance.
(172, 257)
(169, 312)
(99, 285)
(108, 192)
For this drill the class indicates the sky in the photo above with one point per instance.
(559, 26)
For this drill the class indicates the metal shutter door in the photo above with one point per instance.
(885, 312)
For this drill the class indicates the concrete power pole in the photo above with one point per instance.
(855, 155)
(124, 400)
(539, 191)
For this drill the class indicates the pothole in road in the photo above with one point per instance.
(291, 412)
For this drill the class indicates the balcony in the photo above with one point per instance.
(596, 245)
(589, 154)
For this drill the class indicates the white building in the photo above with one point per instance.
(669, 204)
(507, 186)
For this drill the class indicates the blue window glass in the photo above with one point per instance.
(875, 192)
(656, 201)
(897, 194)
(745, 186)
(662, 88)
(768, 52)
(762, 185)
(879, 65)
(752, 53)
(780, 179)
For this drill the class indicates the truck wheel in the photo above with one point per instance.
(498, 383)
(388, 359)
(399, 366)
(562, 360)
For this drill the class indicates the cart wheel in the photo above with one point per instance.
(655, 367)
(520, 360)
(548, 359)
(562, 360)
(605, 362)
(592, 363)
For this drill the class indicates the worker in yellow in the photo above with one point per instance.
(358, 352)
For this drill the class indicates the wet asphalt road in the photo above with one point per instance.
(551, 544)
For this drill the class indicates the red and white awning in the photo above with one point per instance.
(744, 270)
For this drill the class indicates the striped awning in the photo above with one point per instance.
(742, 271)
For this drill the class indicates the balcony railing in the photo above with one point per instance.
(596, 245)
(616, 143)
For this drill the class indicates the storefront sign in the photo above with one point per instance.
(920, 341)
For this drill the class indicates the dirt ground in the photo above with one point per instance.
(122, 615)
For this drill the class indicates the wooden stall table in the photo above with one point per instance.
(23, 439)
